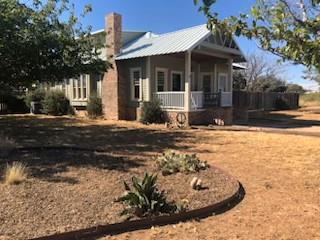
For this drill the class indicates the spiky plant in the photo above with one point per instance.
(144, 198)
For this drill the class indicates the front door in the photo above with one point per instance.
(206, 83)
(176, 81)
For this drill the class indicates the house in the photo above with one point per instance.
(189, 71)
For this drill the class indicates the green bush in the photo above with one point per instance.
(151, 112)
(171, 162)
(281, 104)
(36, 95)
(144, 198)
(56, 103)
(94, 107)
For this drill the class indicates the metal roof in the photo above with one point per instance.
(150, 44)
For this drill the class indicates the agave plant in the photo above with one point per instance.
(144, 198)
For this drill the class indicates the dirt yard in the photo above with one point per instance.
(280, 172)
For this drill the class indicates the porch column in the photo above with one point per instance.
(187, 83)
(230, 75)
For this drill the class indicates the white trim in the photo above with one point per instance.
(132, 70)
(193, 46)
(181, 83)
(165, 71)
(222, 48)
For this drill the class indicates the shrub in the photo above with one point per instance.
(144, 199)
(151, 112)
(6, 146)
(171, 162)
(56, 103)
(15, 173)
(281, 104)
(94, 107)
(37, 95)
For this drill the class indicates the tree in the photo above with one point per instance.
(291, 87)
(269, 84)
(36, 44)
(312, 74)
(289, 29)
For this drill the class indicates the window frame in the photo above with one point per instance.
(132, 86)
(165, 71)
(181, 83)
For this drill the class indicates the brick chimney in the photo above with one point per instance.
(114, 105)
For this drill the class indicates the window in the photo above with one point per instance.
(161, 78)
(135, 83)
(176, 78)
(222, 82)
(75, 84)
(84, 86)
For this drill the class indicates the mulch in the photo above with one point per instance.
(69, 190)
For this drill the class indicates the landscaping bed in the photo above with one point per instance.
(73, 189)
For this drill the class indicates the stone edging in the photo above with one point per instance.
(147, 223)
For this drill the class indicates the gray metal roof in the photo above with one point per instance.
(150, 44)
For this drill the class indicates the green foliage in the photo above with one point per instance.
(44, 41)
(268, 84)
(36, 95)
(283, 27)
(151, 112)
(295, 88)
(171, 162)
(94, 107)
(281, 104)
(239, 80)
(144, 199)
(55, 103)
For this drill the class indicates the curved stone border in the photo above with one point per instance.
(147, 223)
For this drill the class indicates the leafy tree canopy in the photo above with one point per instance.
(287, 28)
(44, 41)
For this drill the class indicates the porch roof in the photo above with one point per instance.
(174, 42)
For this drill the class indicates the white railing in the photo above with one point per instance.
(170, 100)
(197, 100)
(226, 99)
(175, 100)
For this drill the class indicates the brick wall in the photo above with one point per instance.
(113, 85)
(202, 117)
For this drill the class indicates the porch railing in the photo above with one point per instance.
(170, 100)
(226, 99)
(175, 100)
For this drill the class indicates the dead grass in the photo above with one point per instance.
(280, 173)
(6, 146)
(15, 173)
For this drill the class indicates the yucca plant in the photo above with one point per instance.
(144, 198)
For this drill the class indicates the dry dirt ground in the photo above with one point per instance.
(280, 173)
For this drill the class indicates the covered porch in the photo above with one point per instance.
(203, 80)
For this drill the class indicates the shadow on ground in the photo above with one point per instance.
(281, 120)
(120, 148)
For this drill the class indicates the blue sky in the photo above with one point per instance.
(169, 15)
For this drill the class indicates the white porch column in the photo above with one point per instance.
(187, 83)
(230, 75)
(148, 80)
